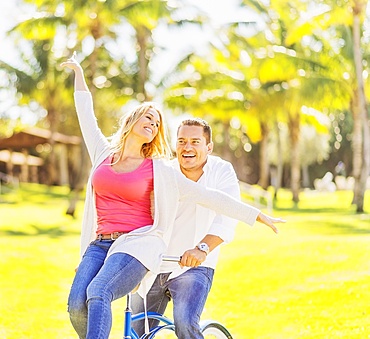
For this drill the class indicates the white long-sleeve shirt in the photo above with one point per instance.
(148, 243)
(193, 222)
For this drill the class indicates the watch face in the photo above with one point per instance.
(203, 247)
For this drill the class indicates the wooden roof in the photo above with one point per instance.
(33, 136)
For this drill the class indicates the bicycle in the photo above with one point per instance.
(210, 328)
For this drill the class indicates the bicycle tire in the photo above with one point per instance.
(213, 329)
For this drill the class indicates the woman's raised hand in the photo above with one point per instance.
(71, 63)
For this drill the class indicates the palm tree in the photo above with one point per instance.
(45, 84)
(344, 21)
(95, 24)
(296, 69)
(38, 80)
(360, 111)
(215, 88)
(144, 17)
(274, 68)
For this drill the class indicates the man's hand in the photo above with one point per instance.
(192, 258)
(269, 221)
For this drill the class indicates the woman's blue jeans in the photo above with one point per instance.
(97, 283)
(189, 293)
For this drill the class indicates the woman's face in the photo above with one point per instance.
(147, 126)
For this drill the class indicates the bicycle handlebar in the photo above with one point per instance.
(171, 258)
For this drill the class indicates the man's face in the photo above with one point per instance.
(192, 148)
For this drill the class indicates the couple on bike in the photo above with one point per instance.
(140, 205)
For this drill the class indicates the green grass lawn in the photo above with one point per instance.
(310, 281)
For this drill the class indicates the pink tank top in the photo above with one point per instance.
(123, 200)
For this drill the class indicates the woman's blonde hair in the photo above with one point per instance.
(157, 148)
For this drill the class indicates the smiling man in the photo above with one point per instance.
(196, 236)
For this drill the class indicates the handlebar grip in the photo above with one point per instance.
(171, 258)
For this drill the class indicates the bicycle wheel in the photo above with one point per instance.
(213, 329)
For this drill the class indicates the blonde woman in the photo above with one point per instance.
(131, 201)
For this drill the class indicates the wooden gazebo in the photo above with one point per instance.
(20, 155)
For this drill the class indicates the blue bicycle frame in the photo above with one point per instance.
(129, 332)
(209, 327)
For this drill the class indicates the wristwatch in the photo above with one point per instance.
(203, 247)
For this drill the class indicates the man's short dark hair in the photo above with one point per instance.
(207, 130)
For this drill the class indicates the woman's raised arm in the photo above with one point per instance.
(72, 63)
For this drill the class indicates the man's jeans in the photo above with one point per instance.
(97, 283)
(189, 292)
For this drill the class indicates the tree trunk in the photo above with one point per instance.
(226, 151)
(361, 123)
(52, 163)
(264, 158)
(84, 166)
(356, 146)
(142, 40)
(305, 176)
(280, 164)
(295, 175)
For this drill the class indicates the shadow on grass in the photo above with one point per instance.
(34, 230)
(337, 226)
(317, 210)
(333, 228)
(8, 202)
(28, 192)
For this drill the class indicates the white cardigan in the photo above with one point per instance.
(147, 244)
